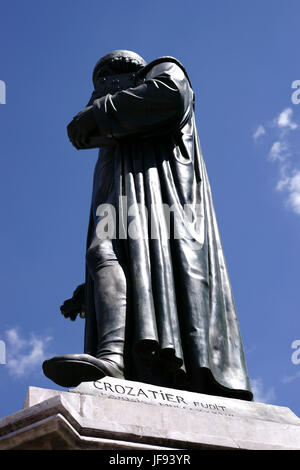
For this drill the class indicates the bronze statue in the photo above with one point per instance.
(157, 297)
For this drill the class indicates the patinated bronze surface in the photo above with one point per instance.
(157, 297)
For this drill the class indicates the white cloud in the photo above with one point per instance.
(24, 355)
(261, 395)
(291, 184)
(279, 151)
(291, 378)
(294, 202)
(283, 179)
(285, 119)
(259, 132)
(283, 151)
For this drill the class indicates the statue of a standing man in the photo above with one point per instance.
(158, 302)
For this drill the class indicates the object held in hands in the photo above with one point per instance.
(76, 305)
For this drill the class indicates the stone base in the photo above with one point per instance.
(117, 414)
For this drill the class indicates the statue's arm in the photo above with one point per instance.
(163, 98)
(151, 107)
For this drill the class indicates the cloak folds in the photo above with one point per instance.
(182, 325)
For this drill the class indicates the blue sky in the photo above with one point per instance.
(242, 58)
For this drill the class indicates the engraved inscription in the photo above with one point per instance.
(160, 397)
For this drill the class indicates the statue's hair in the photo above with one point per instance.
(117, 62)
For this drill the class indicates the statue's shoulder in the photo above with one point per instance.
(163, 64)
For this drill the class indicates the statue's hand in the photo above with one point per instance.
(76, 305)
(82, 127)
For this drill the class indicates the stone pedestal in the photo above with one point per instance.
(116, 414)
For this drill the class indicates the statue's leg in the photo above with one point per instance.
(106, 267)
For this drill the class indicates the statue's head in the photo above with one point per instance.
(117, 62)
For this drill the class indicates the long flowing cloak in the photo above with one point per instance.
(182, 322)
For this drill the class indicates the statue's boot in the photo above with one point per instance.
(110, 297)
(70, 370)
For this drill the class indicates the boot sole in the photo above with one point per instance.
(70, 373)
